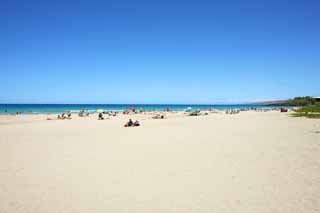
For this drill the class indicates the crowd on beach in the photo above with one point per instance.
(160, 114)
(101, 114)
(232, 111)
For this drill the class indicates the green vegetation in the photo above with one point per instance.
(311, 109)
(308, 111)
(301, 101)
(310, 106)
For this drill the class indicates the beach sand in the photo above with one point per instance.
(252, 162)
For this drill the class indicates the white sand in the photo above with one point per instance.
(253, 162)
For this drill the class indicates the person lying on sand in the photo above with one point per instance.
(195, 113)
(158, 116)
(69, 115)
(61, 117)
(49, 118)
(136, 123)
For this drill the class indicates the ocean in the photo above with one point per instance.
(59, 108)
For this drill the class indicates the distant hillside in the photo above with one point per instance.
(269, 103)
(297, 101)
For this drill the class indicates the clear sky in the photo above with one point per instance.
(158, 51)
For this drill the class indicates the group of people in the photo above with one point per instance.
(68, 115)
(100, 115)
(232, 111)
(83, 113)
(130, 123)
(64, 116)
(110, 113)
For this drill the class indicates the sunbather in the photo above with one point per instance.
(61, 117)
(100, 117)
(129, 123)
(158, 116)
(136, 123)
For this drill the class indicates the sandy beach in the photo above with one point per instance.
(252, 162)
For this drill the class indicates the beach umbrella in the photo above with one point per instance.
(100, 110)
(189, 109)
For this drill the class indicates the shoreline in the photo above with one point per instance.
(45, 108)
(75, 112)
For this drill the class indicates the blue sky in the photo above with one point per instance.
(158, 51)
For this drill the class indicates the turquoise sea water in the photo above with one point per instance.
(58, 108)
